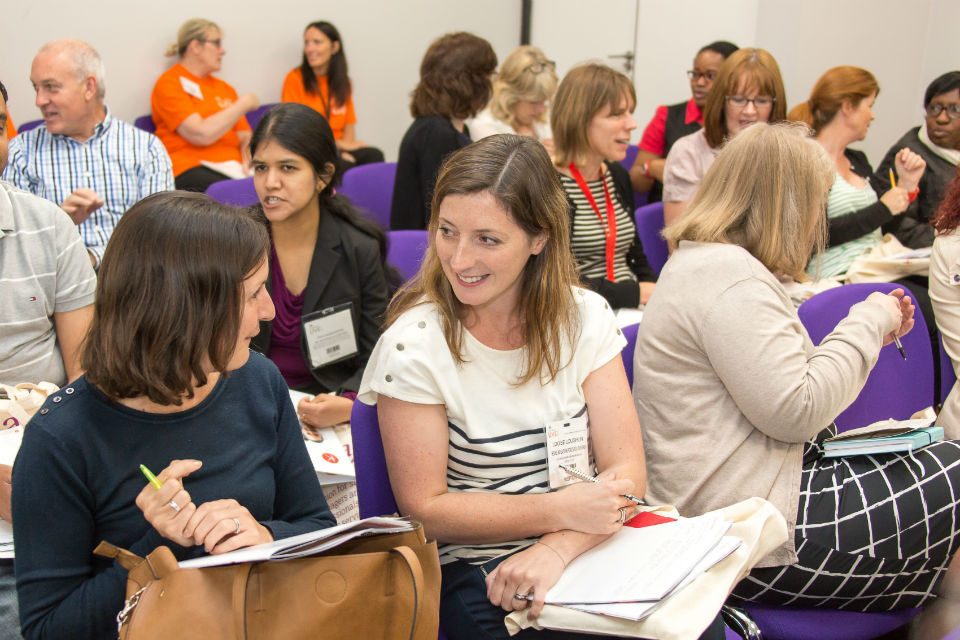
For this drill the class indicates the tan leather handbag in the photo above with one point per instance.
(382, 586)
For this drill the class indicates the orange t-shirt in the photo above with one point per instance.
(178, 94)
(340, 115)
(11, 130)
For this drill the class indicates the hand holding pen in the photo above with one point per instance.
(165, 504)
(606, 504)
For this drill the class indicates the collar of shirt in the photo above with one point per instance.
(6, 213)
(694, 113)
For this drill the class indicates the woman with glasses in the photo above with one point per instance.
(200, 118)
(521, 92)
(839, 111)
(937, 141)
(321, 82)
(748, 89)
(670, 123)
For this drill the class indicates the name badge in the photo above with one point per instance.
(568, 443)
(191, 87)
(329, 335)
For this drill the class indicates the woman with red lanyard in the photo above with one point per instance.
(591, 121)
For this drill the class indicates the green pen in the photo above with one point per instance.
(149, 476)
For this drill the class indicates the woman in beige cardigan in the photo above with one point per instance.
(733, 396)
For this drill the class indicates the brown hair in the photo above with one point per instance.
(765, 192)
(948, 213)
(454, 77)
(517, 172)
(836, 86)
(583, 93)
(749, 68)
(170, 295)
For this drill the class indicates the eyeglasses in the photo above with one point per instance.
(953, 110)
(759, 103)
(540, 67)
(696, 75)
(215, 43)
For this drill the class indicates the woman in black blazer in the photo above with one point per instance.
(328, 277)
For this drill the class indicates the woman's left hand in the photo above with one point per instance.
(225, 525)
(533, 570)
(910, 167)
(324, 410)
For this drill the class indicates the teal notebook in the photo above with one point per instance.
(849, 444)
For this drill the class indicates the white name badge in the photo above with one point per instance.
(329, 335)
(568, 443)
(191, 87)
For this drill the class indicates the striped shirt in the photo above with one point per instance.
(589, 239)
(120, 162)
(845, 199)
(497, 442)
(44, 270)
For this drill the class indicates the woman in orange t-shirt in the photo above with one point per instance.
(200, 118)
(321, 82)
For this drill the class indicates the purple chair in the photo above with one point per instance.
(649, 219)
(406, 249)
(146, 123)
(791, 623)
(630, 333)
(628, 159)
(895, 388)
(370, 188)
(947, 375)
(254, 117)
(239, 193)
(30, 124)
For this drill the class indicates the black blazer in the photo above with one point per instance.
(346, 267)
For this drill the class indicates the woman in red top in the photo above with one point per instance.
(321, 82)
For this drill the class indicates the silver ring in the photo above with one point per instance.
(522, 597)
(173, 505)
(623, 515)
(238, 526)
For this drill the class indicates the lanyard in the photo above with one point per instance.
(610, 227)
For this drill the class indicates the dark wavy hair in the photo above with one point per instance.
(170, 295)
(337, 78)
(948, 214)
(454, 77)
(301, 130)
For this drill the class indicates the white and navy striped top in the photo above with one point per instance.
(844, 199)
(497, 440)
(122, 163)
(589, 240)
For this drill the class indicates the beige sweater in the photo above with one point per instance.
(728, 385)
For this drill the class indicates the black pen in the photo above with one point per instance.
(580, 474)
(896, 341)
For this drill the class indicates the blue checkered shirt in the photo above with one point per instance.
(120, 162)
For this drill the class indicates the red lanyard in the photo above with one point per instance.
(610, 227)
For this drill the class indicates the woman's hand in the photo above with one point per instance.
(533, 570)
(910, 167)
(897, 200)
(158, 507)
(900, 310)
(225, 525)
(594, 507)
(250, 101)
(324, 410)
(646, 290)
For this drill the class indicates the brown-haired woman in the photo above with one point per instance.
(748, 89)
(170, 383)
(489, 344)
(839, 111)
(454, 85)
(591, 120)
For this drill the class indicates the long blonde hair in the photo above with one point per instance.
(765, 192)
(517, 172)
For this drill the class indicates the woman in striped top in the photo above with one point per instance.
(591, 121)
(840, 110)
(490, 346)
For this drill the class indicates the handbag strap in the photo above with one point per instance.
(416, 574)
(239, 598)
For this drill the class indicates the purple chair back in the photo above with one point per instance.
(373, 484)
(947, 375)
(895, 388)
(30, 124)
(406, 250)
(254, 117)
(631, 156)
(649, 219)
(146, 123)
(370, 188)
(630, 333)
(792, 623)
(239, 193)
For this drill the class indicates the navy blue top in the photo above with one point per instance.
(77, 476)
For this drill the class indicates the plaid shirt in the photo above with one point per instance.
(120, 162)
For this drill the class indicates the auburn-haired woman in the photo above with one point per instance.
(454, 85)
(321, 82)
(170, 383)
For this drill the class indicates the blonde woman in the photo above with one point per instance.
(735, 398)
(521, 97)
(200, 117)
